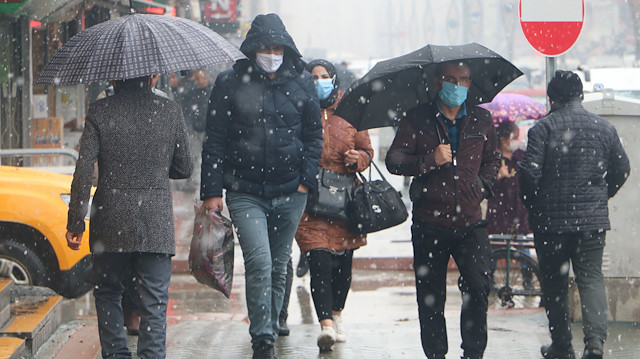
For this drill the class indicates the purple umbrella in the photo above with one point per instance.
(514, 107)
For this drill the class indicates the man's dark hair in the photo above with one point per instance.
(140, 82)
(439, 71)
(505, 129)
(565, 86)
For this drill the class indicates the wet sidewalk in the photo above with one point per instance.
(380, 318)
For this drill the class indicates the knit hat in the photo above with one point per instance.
(331, 70)
(565, 86)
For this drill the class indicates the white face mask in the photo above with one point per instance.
(269, 63)
(514, 145)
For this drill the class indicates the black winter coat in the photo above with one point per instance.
(573, 164)
(264, 136)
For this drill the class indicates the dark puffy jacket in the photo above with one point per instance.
(264, 136)
(573, 164)
(446, 196)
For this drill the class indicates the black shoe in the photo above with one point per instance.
(263, 350)
(592, 353)
(303, 266)
(284, 328)
(550, 352)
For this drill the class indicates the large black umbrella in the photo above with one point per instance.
(396, 85)
(136, 45)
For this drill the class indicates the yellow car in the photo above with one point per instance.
(33, 220)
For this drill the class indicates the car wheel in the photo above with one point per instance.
(21, 264)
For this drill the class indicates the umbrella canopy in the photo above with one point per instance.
(396, 85)
(136, 45)
(514, 107)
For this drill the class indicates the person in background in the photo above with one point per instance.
(506, 214)
(139, 141)
(505, 210)
(573, 164)
(450, 148)
(192, 91)
(327, 243)
(263, 145)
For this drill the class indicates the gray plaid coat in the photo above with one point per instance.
(139, 141)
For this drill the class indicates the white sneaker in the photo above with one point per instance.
(341, 337)
(326, 339)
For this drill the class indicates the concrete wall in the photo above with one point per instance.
(621, 261)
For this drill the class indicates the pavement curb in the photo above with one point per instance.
(366, 263)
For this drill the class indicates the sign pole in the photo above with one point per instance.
(551, 66)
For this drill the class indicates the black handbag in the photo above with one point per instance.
(330, 199)
(374, 205)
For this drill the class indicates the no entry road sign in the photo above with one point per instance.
(551, 26)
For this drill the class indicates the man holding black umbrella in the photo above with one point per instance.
(450, 147)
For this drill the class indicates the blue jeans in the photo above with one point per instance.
(265, 230)
(584, 250)
(153, 272)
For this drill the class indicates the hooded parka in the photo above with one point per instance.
(264, 136)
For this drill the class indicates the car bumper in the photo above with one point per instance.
(75, 282)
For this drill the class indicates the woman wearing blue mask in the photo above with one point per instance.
(327, 243)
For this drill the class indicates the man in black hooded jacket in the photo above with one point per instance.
(263, 145)
(573, 164)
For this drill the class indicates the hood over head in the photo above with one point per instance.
(268, 30)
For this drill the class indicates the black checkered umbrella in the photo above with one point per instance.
(136, 45)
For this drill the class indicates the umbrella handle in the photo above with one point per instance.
(441, 141)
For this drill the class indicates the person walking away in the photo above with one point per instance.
(506, 214)
(139, 141)
(573, 164)
(130, 300)
(327, 243)
(450, 148)
(263, 145)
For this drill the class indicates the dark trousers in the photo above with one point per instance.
(330, 280)
(584, 250)
(153, 272)
(130, 300)
(432, 247)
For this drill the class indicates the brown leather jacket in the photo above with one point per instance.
(339, 136)
(446, 196)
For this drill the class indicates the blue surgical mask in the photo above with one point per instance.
(324, 87)
(453, 95)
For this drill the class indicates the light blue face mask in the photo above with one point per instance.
(324, 87)
(453, 95)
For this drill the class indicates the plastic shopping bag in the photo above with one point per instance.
(211, 253)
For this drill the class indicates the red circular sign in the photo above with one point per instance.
(551, 27)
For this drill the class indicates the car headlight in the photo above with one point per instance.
(66, 197)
